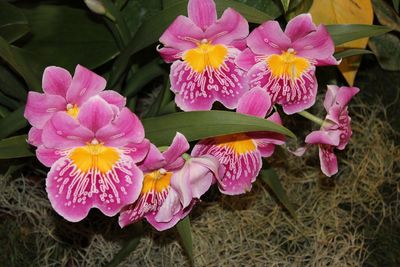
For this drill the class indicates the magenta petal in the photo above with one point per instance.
(47, 156)
(35, 137)
(330, 96)
(41, 107)
(178, 146)
(230, 27)
(182, 34)
(125, 128)
(56, 81)
(95, 114)
(328, 160)
(239, 44)
(329, 61)
(154, 160)
(300, 26)
(63, 132)
(73, 193)
(255, 102)
(169, 54)
(198, 91)
(170, 207)
(268, 39)
(85, 84)
(138, 151)
(246, 59)
(316, 45)
(113, 98)
(202, 12)
(203, 171)
(323, 137)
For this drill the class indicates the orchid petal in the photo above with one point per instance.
(328, 160)
(63, 131)
(300, 26)
(182, 34)
(41, 107)
(153, 161)
(113, 98)
(47, 156)
(35, 137)
(95, 113)
(323, 137)
(125, 128)
(268, 39)
(230, 27)
(202, 12)
(84, 85)
(178, 146)
(316, 45)
(246, 59)
(255, 102)
(56, 81)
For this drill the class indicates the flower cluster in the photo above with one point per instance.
(99, 157)
(96, 147)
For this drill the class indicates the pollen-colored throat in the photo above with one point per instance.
(73, 111)
(287, 65)
(239, 143)
(156, 181)
(94, 157)
(206, 55)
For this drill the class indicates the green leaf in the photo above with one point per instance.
(351, 52)
(65, 36)
(270, 177)
(386, 14)
(285, 4)
(15, 147)
(197, 125)
(386, 49)
(10, 85)
(151, 30)
(185, 233)
(13, 122)
(13, 24)
(343, 33)
(396, 4)
(23, 62)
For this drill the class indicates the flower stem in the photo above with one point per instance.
(311, 117)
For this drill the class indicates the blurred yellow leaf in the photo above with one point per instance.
(345, 12)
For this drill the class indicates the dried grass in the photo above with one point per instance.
(338, 219)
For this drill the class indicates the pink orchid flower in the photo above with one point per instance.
(336, 130)
(241, 154)
(203, 50)
(64, 93)
(93, 159)
(171, 185)
(283, 63)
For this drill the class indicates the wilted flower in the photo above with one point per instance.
(241, 154)
(170, 185)
(93, 159)
(283, 63)
(335, 131)
(203, 52)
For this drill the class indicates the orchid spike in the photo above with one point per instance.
(283, 63)
(203, 52)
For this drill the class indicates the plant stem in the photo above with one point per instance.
(311, 117)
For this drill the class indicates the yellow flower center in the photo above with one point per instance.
(240, 143)
(73, 110)
(205, 55)
(287, 65)
(157, 180)
(94, 156)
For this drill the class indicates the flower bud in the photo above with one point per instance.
(96, 6)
